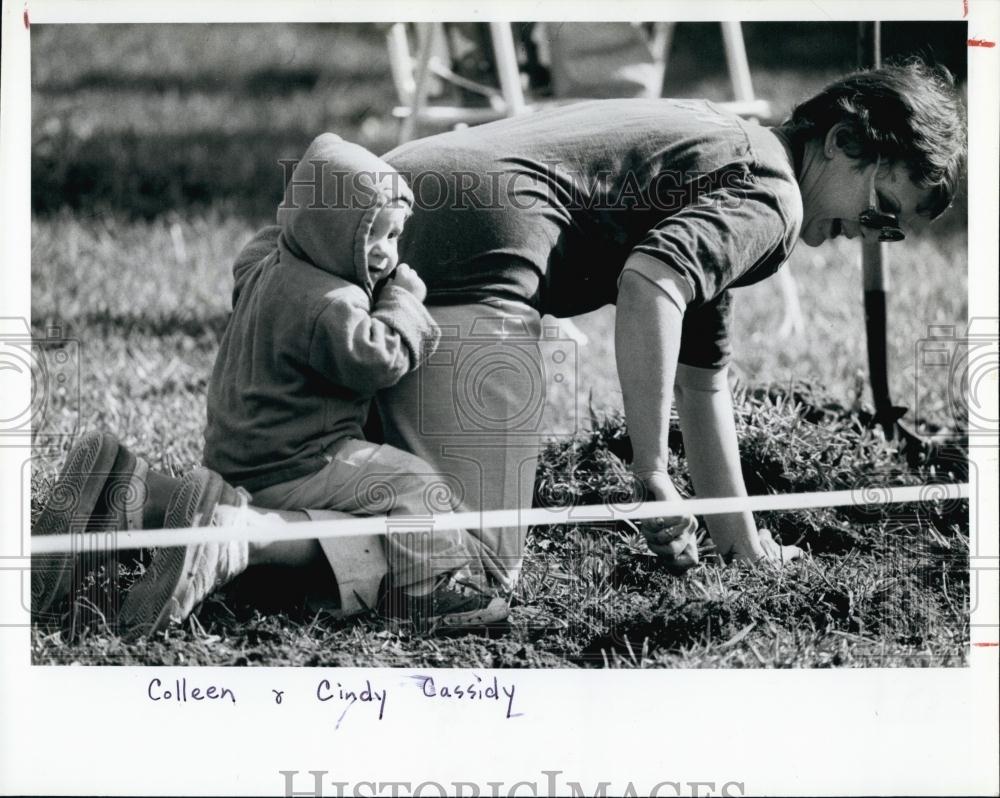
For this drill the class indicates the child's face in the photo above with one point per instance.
(383, 239)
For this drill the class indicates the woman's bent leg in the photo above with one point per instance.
(475, 413)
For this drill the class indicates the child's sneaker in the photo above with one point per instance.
(181, 577)
(456, 603)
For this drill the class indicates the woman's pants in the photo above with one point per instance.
(476, 412)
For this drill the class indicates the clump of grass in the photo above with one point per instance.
(883, 587)
(882, 574)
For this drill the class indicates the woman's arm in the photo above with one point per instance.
(647, 343)
(705, 408)
(647, 340)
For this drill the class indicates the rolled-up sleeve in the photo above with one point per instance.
(742, 225)
(669, 281)
(736, 234)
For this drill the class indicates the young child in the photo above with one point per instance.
(323, 317)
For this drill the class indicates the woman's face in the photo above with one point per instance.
(835, 193)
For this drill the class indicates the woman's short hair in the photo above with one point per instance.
(907, 112)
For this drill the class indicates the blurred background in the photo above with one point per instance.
(148, 119)
(155, 156)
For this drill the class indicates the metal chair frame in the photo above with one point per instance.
(413, 75)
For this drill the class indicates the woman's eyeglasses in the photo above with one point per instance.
(885, 224)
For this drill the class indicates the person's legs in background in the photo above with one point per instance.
(602, 59)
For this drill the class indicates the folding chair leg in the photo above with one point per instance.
(421, 84)
(736, 60)
(400, 61)
(507, 70)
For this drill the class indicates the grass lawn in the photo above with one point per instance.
(134, 264)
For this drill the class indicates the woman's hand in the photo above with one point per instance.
(671, 538)
(404, 277)
(770, 550)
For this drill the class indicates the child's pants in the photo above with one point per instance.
(366, 478)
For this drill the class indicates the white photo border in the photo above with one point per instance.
(92, 730)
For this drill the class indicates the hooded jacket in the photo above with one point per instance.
(311, 337)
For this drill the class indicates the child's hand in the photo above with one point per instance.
(404, 277)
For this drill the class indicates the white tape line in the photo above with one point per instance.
(274, 529)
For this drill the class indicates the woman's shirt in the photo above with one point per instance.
(546, 207)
